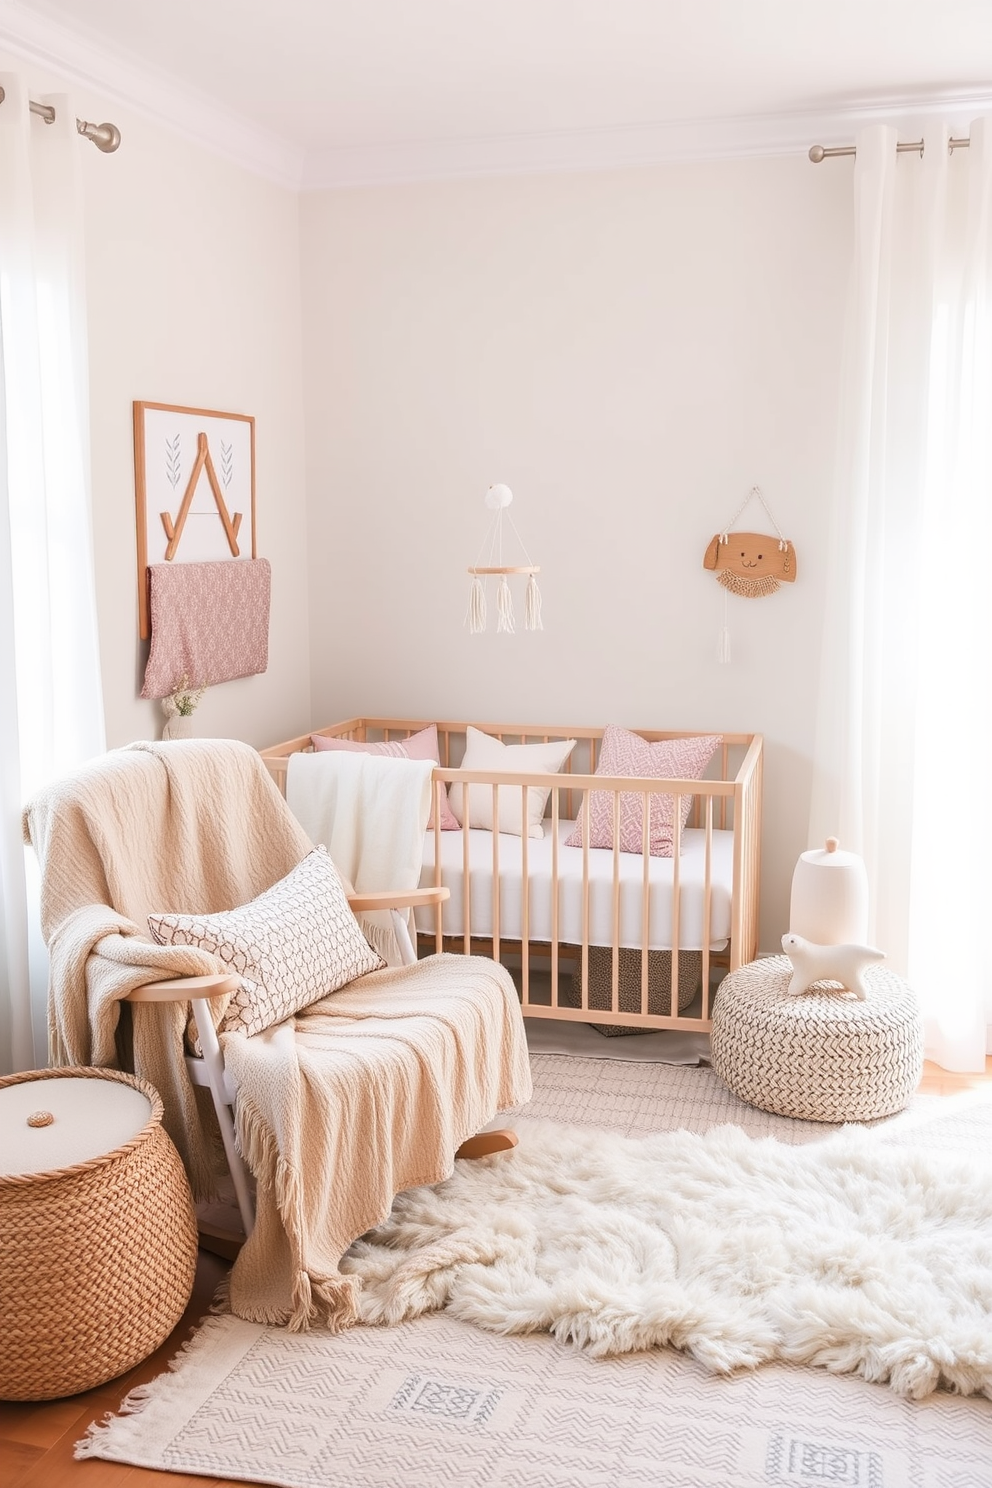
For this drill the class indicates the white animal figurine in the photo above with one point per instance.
(830, 963)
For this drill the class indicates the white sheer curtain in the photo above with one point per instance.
(903, 732)
(51, 715)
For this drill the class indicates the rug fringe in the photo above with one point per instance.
(96, 1442)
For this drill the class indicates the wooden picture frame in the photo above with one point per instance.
(194, 489)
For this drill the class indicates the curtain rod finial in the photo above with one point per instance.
(816, 153)
(106, 137)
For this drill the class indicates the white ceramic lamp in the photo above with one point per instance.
(830, 897)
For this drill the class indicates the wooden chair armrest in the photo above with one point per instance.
(397, 899)
(181, 989)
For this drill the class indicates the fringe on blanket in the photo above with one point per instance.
(316, 1301)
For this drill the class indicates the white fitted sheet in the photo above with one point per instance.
(691, 874)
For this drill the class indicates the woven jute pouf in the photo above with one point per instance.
(629, 984)
(96, 1258)
(822, 1056)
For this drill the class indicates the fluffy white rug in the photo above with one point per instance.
(850, 1254)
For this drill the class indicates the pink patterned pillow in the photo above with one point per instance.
(422, 746)
(624, 753)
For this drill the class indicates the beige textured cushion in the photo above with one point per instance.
(291, 946)
(483, 752)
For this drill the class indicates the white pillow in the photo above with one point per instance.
(291, 946)
(483, 752)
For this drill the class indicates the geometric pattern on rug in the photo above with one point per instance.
(637, 1100)
(436, 1402)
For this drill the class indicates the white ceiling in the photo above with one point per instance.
(324, 92)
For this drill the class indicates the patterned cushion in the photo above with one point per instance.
(483, 752)
(420, 746)
(624, 753)
(291, 946)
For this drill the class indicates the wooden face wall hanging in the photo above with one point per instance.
(751, 563)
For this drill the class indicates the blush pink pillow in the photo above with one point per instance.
(624, 753)
(422, 746)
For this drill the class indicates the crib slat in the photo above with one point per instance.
(707, 904)
(525, 906)
(615, 936)
(437, 787)
(585, 900)
(741, 889)
(555, 805)
(466, 879)
(495, 837)
(645, 906)
(676, 898)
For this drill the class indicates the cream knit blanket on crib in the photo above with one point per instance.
(370, 813)
(362, 1095)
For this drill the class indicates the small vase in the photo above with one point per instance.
(179, 726)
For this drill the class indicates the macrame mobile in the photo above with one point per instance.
(749, 564)
(498, 500)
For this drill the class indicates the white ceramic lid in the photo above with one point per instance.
(90, 1117)
(830, 856)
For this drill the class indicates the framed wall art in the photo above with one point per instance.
(194, 483)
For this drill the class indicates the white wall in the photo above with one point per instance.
(630, 352)
(193, 291)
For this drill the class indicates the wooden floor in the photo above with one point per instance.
(36, 1440)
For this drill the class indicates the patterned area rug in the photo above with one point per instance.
(435, 1402)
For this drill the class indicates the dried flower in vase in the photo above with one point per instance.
(183, 698)
(179, 707)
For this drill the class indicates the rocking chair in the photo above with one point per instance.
(184, 825)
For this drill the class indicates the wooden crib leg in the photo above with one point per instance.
(486, 1142)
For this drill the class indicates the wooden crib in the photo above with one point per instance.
(588, 930)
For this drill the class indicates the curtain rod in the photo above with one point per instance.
(106, 137)
(818, 153)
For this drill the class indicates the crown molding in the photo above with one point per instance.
(630, 145)
(42, 42)
(45, 43)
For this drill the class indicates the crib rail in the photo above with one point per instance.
(595, 977)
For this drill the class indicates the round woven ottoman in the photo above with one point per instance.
(822, 1056)
(97, 1231)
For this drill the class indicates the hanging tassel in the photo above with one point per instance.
(504, 607)
(477, 608)
(723, 640)
(532, 606)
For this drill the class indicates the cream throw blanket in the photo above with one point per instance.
(382, 1080)
(370, 812)
(197, 826)
(380, 1085)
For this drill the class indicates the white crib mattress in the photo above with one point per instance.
(570, 915)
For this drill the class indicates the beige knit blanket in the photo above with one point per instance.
(378, 1087)
(197, 826)
(371, 1092)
